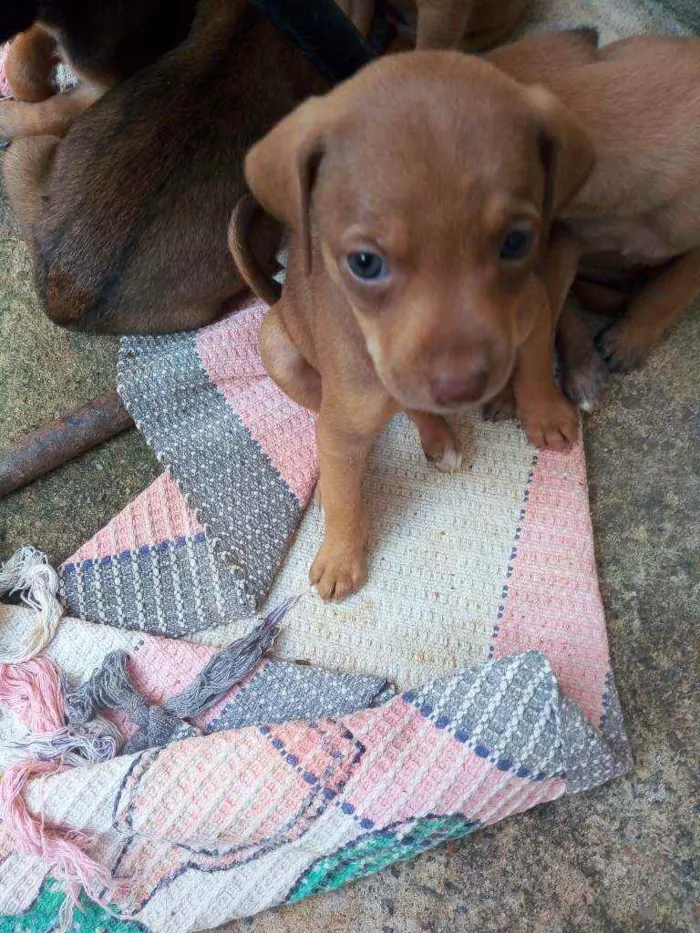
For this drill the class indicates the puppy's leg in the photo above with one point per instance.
(29, 65)
(286, 366)
(502, 406)
(584, 374)
(26, 170)
(52, 117)
(442, 23)
(345, 435)
(440, 443)
(548, 417)
(626, 342)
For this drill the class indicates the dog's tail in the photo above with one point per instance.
(240, 228)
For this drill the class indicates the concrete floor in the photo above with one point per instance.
(624, 858)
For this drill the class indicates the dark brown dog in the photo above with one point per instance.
(126, 216)
(420, 195)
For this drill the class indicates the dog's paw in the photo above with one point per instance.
(623, 348)
(502, 407)
(442, 448)
(552, 424)
(585, 383)
(338, 570)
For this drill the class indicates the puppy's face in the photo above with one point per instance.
(434, 241)
(428, 183)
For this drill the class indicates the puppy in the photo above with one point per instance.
(636, 222)
(447, 24)
(631, 235)
(126, 216)
(419, 195)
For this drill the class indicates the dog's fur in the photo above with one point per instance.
(633, 231)
(126, 216)
(103, 43)
(637, 220)
(428, 159)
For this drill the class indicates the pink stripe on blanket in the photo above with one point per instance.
(553, 603)
(160, 513)
(285, 432)
(410, 767)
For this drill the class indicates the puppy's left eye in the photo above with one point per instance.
(367, 266)
(516, 244)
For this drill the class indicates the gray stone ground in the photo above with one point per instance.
(624, 858)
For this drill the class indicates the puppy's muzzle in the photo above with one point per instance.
(463, 386)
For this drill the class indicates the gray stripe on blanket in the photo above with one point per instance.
(512, 713)
(282, 691)
(239, 496)
(173, 588)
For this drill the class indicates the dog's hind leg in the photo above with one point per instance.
(51, 117)
(628, 341)
(26, 170)
(440, 443)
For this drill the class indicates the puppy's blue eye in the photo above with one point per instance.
(516, 244)
(366, 266)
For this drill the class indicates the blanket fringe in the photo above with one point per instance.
(28, 572)
(33, 692)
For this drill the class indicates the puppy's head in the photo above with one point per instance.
(426, 186)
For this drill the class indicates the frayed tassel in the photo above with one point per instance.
(63, 851)
(28, 572)
(110, 687)
(33, 692)
(229, 666)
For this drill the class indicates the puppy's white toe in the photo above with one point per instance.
(450, 461)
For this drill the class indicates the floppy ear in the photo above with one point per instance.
(280, 169)
(566, 149)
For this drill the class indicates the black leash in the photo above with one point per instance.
(322, 32)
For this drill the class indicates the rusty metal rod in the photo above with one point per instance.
(55, 444)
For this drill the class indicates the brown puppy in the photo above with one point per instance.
(413, 275)
(637, 220)
(126, 216)
(447, 24)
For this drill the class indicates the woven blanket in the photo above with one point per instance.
(468, 681)
(482, 605)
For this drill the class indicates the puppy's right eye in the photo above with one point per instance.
(516, 244)
(367, 266)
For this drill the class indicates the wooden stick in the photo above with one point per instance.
(55, 444)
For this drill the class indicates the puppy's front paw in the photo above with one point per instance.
(551, 423)
(623, 347)
(585, 382)
(502, 407)
(338, 570)
(442, 447)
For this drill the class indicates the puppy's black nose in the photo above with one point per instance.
(463, 389)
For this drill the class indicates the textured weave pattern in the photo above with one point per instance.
(226, 824)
